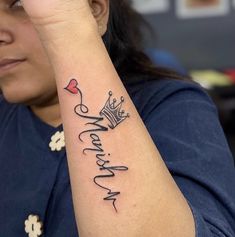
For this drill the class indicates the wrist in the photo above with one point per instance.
(76, 41)
(61, 31)
(68, 37)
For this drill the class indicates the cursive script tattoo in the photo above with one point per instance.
(94, 129)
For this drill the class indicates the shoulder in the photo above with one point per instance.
(181, 119)
(157, 95)
(184, 125)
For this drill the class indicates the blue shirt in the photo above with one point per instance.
(183, 123)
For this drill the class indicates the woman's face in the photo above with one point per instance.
(32, 80)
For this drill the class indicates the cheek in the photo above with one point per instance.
(37, 60)
(35, 78)
(31, 44)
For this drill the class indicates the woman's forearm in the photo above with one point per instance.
(120, 184)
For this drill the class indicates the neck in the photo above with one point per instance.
(49, 114)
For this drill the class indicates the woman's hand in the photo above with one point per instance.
(56, 19)
(39, 9)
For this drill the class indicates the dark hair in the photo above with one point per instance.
(123, 41)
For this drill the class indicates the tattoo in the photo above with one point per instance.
(111, 111)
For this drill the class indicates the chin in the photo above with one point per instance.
(17, 97)
(28, 95)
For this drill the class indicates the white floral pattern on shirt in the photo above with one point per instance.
(33, 226)
(57, 141)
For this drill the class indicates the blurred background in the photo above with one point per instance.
(197, 37)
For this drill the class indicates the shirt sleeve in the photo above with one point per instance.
(187, 132)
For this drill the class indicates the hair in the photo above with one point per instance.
(123, 40)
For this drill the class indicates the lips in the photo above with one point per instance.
(7, 65)
(5, 62)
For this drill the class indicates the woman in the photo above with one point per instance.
(146, 155)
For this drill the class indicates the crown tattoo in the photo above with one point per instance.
(113, 111)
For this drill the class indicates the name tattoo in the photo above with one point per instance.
(113, 115)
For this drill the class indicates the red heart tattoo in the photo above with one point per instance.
(72, 86)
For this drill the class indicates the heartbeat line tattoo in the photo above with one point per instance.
(115, 115)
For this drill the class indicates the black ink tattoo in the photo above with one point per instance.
(113, 112)
(94, 129)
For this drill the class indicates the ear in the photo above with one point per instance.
(100, 11)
